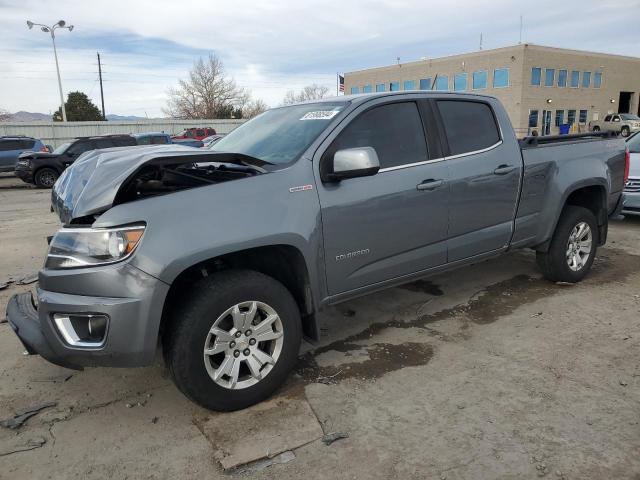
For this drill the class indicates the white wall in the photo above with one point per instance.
(56, 133)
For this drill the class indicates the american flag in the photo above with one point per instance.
(341, 83)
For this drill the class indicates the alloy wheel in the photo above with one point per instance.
(243, 345)
(579, 246)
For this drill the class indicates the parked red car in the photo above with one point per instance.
(195, 133)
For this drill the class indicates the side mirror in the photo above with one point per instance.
(353, 163)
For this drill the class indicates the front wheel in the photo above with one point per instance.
(573, 246)
(234, 340)
(45, 178)
(596, 129)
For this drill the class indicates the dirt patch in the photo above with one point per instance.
(484, 307)
(382, 358)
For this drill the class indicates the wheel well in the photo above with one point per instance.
(592, 198)
(282, 262)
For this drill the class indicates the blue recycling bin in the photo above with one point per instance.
(564, 128)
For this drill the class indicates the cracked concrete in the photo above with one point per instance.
(483, 373)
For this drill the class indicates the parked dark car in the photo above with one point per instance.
(11, 147)
(152, 138)
(43, 169)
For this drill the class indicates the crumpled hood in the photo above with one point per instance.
(90, 185)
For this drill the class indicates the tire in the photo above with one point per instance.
(190, 333)
(45, 177)
(556, 263)
(625, 131)
(596, 129)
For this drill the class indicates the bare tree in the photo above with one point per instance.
(207, 93)
(4, 115)
(253, 108)
(310, 92)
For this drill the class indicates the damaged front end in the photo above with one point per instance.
(104, 178)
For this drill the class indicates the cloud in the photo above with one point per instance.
(270, 46)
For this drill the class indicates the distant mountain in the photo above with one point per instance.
(23, 116)
(117, 118)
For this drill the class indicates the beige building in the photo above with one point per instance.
(541, 87)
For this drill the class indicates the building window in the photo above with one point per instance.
(409, 85)
(480, 80)
(425, 84)
(442, 82)
(500, 77)
(460, 82)
(354, 90)
(536, 74)
(597, 80)
(586, 79)
(533, 118)
(379, 87)
(559, 117)
(549, 77)
(583, 116)
(562, 78)
(367, 89)
(571, 117)
(575, 79)
(394, 86)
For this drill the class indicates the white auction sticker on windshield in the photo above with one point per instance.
(320, 115)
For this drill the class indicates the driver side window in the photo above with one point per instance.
(394, 130)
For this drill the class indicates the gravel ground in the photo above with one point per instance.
(487, 372)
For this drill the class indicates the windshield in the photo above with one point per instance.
(62, 148)
(628, 116)
(280, 135)
(634, 143)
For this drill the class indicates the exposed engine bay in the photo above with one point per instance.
(159, 178)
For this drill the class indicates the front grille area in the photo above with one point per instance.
(632, 186)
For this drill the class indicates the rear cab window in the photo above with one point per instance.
(394, 130)
(469, 125)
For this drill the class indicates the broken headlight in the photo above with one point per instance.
(89, 247)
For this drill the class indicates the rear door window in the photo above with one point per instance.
(144, 140)
(394, 130)
(199, 133)
(607, 118)
(8, 145)
(469, 125)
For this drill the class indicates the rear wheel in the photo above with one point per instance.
(45, 178)
(625, 131)
(596, 129)
(573, 246)
(234, 340)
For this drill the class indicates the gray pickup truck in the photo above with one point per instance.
(224, 257)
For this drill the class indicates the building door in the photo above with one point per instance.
(624, 102)
(546, 122)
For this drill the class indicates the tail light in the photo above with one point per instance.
(627, 162)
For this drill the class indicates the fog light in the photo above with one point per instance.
(82, 330)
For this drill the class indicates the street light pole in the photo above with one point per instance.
(51, 30)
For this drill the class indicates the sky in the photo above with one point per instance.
(271, 46)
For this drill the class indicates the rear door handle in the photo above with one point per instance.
(504, 169)
(430, 184)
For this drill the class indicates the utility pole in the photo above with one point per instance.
(104, 117)
(480, 40)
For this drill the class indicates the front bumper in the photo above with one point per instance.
(631, 203)
(131, 299)
(24, 172)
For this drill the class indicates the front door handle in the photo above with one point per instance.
(430, 184)
(504, 169)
